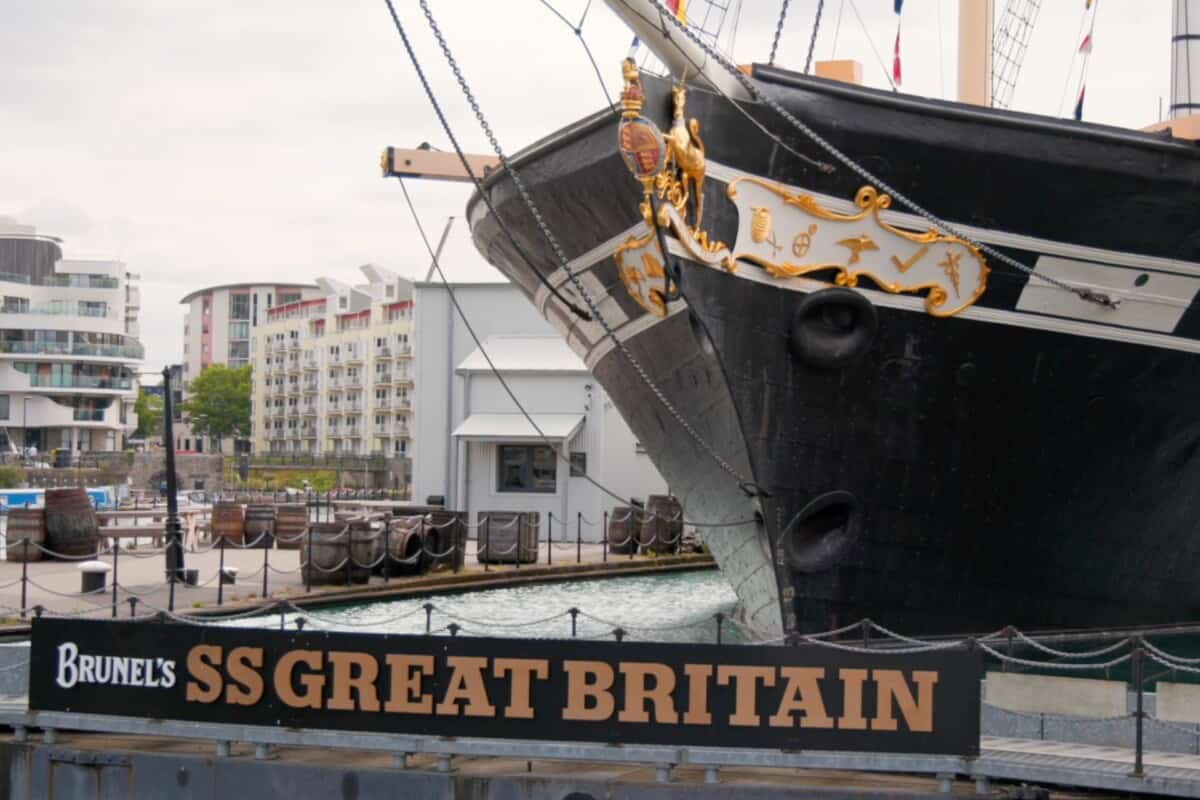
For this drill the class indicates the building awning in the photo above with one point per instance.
(516, 428)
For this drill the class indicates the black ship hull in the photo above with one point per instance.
(1033, 460)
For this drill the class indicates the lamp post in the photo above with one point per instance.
(174, 536)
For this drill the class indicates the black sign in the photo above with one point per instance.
(808, 697)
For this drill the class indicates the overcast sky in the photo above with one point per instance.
(209, 142)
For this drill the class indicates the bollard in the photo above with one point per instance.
(300, 622)
(223, 749)
(662, 773)
(712, 774)
(443, 762)
(400, 760)
(282, 617)
(308, 571)
(387, 548)
(578, 537)
(720, 620)
(454, 629)
(866, 633)
(487, 533)
(550, 539)
(428, 617)
(619, 633)
(266, 566)
(133, 601)
(574, 612)
(221, 571)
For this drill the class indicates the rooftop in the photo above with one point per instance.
(524, 354)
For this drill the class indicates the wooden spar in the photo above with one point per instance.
(397, 162)
(975, 51)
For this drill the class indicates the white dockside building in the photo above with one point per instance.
(474, 446)
(69, 352)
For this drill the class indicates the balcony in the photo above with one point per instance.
(382, 428)
(335, 408)
(310, 411)
(79, 382)
(354, 405)
(383, 352)
(310, 363)
(294, 344)
(77, 280)
(311, 387)
(352, 357)
(352, 380)
(293, 365)
(383, 402)
(293, 411)
(404, 379)
(403, 351)
(383, 378)
(79, 349)
(402, 404)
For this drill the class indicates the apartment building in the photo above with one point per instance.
(217, 329)
(69, 353)
(333, 375)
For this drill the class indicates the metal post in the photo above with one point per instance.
(308, 567)
(578, 537)
(574, 612)
(266, 564)
(1138, 668)
(24, 576)
(487, 532)
(604, 539)
(221, 571)
(387, 547)
(133, 601)
(866, 633)
(619, 633)
(720, 617)
(453, 628)
(174, 535)
(550, 539)
(634, 533)
(282, 617)
(170, 587)
(116, 553)
(428, 617)
(520, 539)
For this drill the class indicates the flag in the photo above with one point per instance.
(900, 3)
(633, 47)
(1086, 45)
(1079, 105)
(896, 60)
(679, 9)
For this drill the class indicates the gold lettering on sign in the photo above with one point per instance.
(802, 694)
(406, 696)
(637, 694)
(905, 266)
(202, 661)
(589, 695)
(917, 713)
(745, 680)
(523, 671)
(852, 718)
(466, 684)
(246, 684)
(698, 676)
(313, 683)
(353, 672)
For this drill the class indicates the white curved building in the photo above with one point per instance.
(69, 353)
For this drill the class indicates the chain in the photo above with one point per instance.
(1088, 295)
(812, 43)
(743, 482)
(779, 29)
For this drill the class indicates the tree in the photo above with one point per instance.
(149, 410)
(219, 403)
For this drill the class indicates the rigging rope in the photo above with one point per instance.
(812, 43)
(783, 9)
(1082, 293)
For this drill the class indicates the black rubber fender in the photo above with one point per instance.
(819, 536)
(832, 328)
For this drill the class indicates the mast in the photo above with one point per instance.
(1185, 59)
(975, 51)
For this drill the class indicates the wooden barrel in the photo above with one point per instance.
(71, 528)
(229, 523)
(406, 546)
(260, 525)
(291, 519)
(446, 538)
(26, 523)
(508, 537)
(662, 527)
(342, 552)
(624, 526)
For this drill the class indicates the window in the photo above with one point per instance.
(16, 305)
(578, 464)
(4, 406)
(526, 468)
(239, 330)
